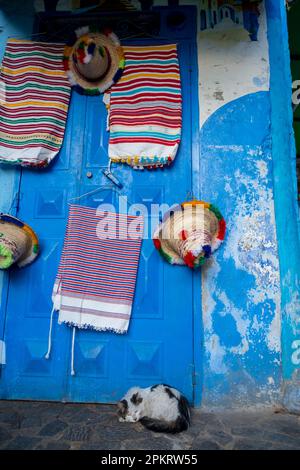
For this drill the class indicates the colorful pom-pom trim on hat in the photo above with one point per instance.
(80, 49)
(183, 251)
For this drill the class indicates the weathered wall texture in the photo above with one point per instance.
(241, 287)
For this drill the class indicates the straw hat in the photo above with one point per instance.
(18, 242)
(189, 233)
(93, 61)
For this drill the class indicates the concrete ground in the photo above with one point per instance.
(43, 425)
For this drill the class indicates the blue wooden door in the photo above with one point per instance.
(159, 346)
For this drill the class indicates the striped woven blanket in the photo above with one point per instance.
(145, 108)
(95, 284)
(34, 102)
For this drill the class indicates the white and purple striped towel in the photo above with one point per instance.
(95, 284)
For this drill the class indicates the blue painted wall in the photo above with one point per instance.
(250, 301)
(285, 194)
(241, 287)
(250, 291)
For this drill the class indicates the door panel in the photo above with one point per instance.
(159, 344)
(43, 204)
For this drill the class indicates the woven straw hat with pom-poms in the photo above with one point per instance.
(93, 60)
(189, 233)
(18, 242)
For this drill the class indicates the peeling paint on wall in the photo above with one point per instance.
(252, 242)
(292, 308)
(241, 286)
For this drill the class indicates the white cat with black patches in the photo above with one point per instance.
(160, 408)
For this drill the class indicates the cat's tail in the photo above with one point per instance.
(184, 409)
(157, 425)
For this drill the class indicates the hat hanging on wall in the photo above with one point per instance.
(18, 242)
(93, 60)
(189, 233)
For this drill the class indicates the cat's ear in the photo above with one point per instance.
(122, 406)
(136, 398)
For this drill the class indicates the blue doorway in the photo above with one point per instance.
(162, 344)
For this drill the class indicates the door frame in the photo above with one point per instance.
(5, 281)
(198, 333)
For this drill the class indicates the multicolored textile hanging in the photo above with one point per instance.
(96, 279)
(145, 108)
(34, 102)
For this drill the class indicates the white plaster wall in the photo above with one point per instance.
(231, 65)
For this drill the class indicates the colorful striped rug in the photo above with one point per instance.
(95, 284)
(34, 102)
(145, 108)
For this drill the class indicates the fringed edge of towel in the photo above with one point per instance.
(139, 163)
(87, 326)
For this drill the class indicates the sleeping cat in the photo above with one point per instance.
(160, 408)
